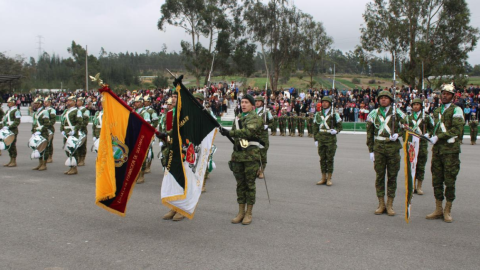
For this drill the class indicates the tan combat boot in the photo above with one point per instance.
(419, 187)
(141, 178)
(248, 215)
(66, 172)
(73, 171)
(147, 169)
(81, 161)
(177, 217)
(43, 165)
(50, 157)
(6, 164)
(0, 152)
(447, 214)
(381, 206)
(203, 187)
(240, 215)
(438, 213)
(324, 179)
(260, 173)
(390, 211)
(329, 179)
(39, 165)
(169, 215)
(13, 163)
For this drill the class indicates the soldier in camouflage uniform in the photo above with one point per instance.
(421, 123)
(2, 113)
(292, 124)
(245, 162)
(473, 129)
(449, 123)
(326, 126)
(301, 125)
(71, 123)
(384, 148)
(138, 103)
(53, 120)
(154, 119)
(267, 118)
(82, 150)
(10, 121)
(310, 125)
(282, 123)
(41, 125)
(274, 126)
(97, 123)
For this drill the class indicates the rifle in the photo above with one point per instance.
(394, 106)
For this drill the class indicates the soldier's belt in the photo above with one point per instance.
(379, 138)
(324, 130)
(257, 144)
(69, 127)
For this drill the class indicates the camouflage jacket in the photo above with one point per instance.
(250, 129)
(448, 128)
(423, 122)
(153, 116)
(97, 124)
(379, 130)
(473, 124)
(2, 113)
(12, 119)
(85, 119)
(322, 124)
(267, 119)
(41, 121)
(53, 117)
(282, 120)
(71, 120)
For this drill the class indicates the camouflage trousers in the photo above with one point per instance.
(301, 130)
(50, 146)
(75, 155)
(282, 128)
(47, 152)
(263, 156)
(12, 151)
(245, 173)
(386, 164)
(473, 135)
(82, 150)
(291, 130)
(326, 151)
(421, 161)
(445, 168)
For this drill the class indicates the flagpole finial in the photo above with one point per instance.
(97, 80)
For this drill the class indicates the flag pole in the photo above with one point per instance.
(86, 68)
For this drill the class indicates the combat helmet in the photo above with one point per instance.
(450, 88)
(386, 94)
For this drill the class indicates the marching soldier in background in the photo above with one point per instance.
(292, 124)
(138, 103)
(2, 113)
(274, 126)
(326, 126)
(10, 121)
(449, 123)
(53, 120)
(421, 123)
(41, 126)
(147, 102)
(473, 123)
(71, 123)
(245, 162)
(301, 125)
(282, 123)
(310, 125)
(82, 150)
(267, 119)
(384, 148)
(97, 122)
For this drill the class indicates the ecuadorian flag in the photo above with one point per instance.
(124, 142)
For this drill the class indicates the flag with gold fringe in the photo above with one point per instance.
(189, 143)
(124, 142)
(410, 148)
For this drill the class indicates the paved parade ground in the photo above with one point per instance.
(50, 221)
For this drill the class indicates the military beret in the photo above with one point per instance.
(250, 98)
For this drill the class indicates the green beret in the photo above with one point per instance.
(199, 96)
(250, 98)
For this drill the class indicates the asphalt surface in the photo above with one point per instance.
(50, 221)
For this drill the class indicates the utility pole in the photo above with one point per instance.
(39, 48)
(86, 68)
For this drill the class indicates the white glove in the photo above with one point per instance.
(372, 157)
(427, 135)
(71, 133)
(333, 132)
(160, 144)
(94, 138)
(37, 133)
(63, 133)
(316, 143)
(265, 127)
(5, 128)
(434, 139)
(394, 137)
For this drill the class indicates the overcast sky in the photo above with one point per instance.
(125, 25)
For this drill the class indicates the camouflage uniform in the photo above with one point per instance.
(42, 123)
(274, 126)
(11, 120)
(421, 123)
(2, 113)
(292, 124)
(386, 152)
(245, 162)
(473, 131)
(310, 125)
(323, 124)
(53, 120)
(82, 150)
(71, 122)
(282, 124)
(97, 124)
(301, 125)
(154, 119)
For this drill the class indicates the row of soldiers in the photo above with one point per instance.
(292, 122)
